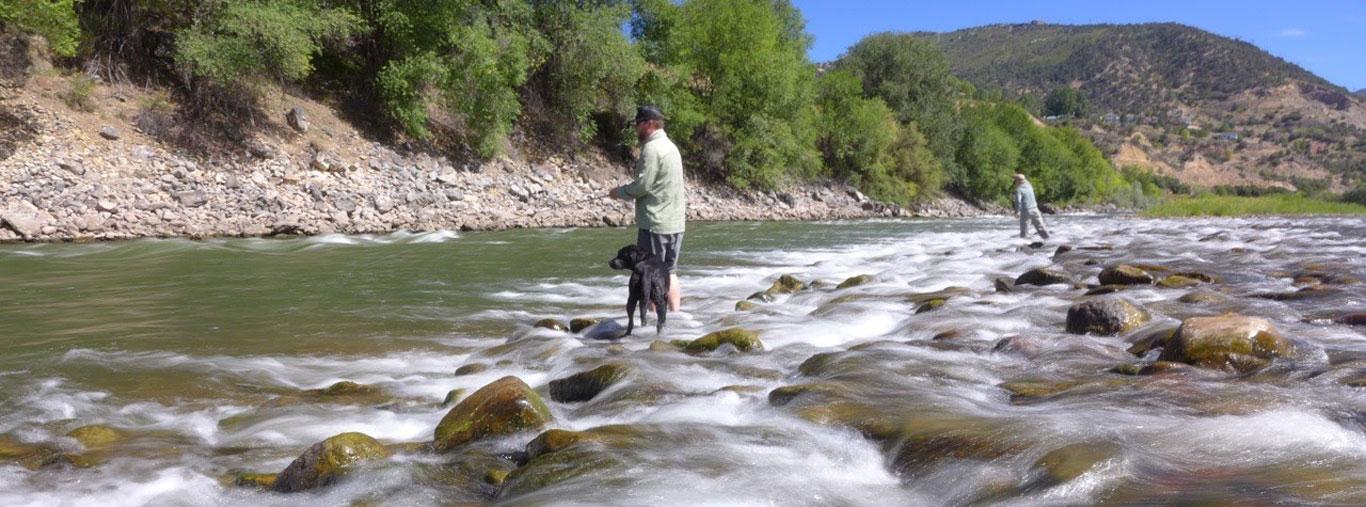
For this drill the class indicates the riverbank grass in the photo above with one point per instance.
(1232, 206)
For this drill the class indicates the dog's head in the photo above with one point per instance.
(628, 257)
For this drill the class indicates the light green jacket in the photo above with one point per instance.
(661, 205)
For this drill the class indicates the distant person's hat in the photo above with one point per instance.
(1019, 177)
(647, 113)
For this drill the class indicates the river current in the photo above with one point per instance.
(199, 353)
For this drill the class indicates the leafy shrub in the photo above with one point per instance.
(54, 20)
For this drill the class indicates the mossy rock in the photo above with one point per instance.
(745, 306)
(1227, 342)
(1071, 461)
(1352, 319)
(920, 298)
(819, 364)
(1124, 274)
(1043, 276)
(554, 324)
(1204, 278)
(583, 386)
(579, 324)
(787, 284)
(344, 388)
(327, 461)
(96, 435)
(1104, 317)
(854, 281)
(262, 481)
(743, 340)
(787, 394)
(1150, 339)
(1307, 293)
(1178, 282)
(496, 476)
(503, 407)
(762, 296)
(559, 455)
(453, 396)
(948, 334)
(1202, 297)
(931, 305)
(471, 369)
(669, 346)
(1106, 289)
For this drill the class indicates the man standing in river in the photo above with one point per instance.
(1027, 208)
(657, 190)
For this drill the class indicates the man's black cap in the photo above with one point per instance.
(647, 113)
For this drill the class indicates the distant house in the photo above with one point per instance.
(1052, 118)
(1227, 136)
(1111, 119)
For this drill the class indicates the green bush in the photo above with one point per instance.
(591, 68)
(78, 93)
(53, 20)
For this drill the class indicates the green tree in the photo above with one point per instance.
(247, 42)
(744, 64)
(591, 68)
(911, 75)
(1065, 101)
(53, 20)
(467, 59)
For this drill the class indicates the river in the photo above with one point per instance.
(200, 354)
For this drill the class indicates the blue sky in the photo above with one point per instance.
(1326, 37)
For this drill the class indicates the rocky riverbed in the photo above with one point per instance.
(64, 181)
(882, 362)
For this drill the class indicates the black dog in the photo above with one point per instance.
(649, 284)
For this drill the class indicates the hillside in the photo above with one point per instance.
(1207, 109)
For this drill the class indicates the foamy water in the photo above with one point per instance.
(200, 350)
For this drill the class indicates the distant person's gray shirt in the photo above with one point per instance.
(1024, 198)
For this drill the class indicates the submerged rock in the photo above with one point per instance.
(608, 329)
(744, 306)
(581, 323)
(471, 369)
(743, 340)
(344, 388)
(1104, 317)
(1106, 289)
(1074, 460)
(786, 284)
(1124, 274)
(1228, 342)
(264, 481)
(327, 461)
(553, 324)
(1004, 285)
(1201, 297)
(96, 435)
(1178, 282)
(505, 406)
(453, 396)
(931, 305)
(583, 386)
(854, 281)
(1043, 276)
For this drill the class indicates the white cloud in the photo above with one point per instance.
(1293, 32)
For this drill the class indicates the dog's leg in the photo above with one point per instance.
(630, 314)
(661, 311)
(645, 297)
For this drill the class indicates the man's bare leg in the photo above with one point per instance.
(675, 293)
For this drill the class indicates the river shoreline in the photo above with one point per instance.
(74, 183)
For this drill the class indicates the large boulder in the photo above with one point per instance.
(504, 407)
(329, 460)
(1124, 274)
(583, 386)
(1043, 276)
(743, 340)
(1104, 316)
(1227, 342)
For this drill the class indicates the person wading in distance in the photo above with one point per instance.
(1027, 208)
(658, 193)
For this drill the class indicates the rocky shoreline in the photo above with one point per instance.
(70, 182)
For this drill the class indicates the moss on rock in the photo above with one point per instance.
(743, 340)
(1043, 276)
(744, 306)
(471, 369)
(1178, 282)
(503, 407)
(96, 435)
(854, 281)
(1227, 342)
(327, 461)
(554, 324)
(579, 324)
(1124, 274)
(1104, 317)
(583, 386)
